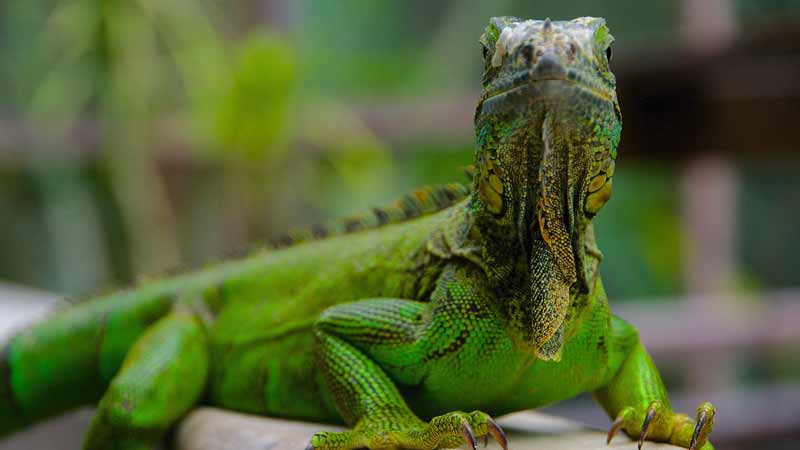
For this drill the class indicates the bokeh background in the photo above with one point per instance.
(144, 136)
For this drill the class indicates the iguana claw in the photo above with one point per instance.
(705, 421)
(701, 421)
(469, 436)
(613, 430)
(497, 433)
(648, 419)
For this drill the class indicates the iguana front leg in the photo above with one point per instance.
(365, 395)
(161, 378)
(637, 398)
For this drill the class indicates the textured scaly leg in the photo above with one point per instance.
(636, 397)
(161, 378)
(365, 395)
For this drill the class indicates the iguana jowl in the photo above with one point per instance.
(450, 300)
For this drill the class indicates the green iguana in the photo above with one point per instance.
(452, 299)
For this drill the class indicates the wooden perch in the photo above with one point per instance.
(215, 429)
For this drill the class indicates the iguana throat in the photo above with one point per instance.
(547, 128)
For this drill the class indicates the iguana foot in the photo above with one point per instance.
(446, 431)
(660, 424)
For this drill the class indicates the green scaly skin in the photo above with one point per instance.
(492, 304)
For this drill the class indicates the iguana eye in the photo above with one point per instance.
(609, 53)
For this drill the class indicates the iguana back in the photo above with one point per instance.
(70, 358)
(417, 203)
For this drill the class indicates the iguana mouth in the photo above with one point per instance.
(524, 80)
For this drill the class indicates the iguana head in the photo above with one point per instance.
(547, 125)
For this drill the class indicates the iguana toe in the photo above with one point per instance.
(704, 425)
(446, 431)
(476, 423)
(615, 426)
(497, 433)
(469, 436)
(652, 410)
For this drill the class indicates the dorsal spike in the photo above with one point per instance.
(417, 203)
(548, 26)
(470, 171)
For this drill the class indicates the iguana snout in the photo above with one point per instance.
(546, 66)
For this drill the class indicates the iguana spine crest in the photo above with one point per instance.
(417, 203)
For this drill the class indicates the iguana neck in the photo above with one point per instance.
(528, 215)
(500, 249)
(513, 174)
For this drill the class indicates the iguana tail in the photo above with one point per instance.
(68, 359)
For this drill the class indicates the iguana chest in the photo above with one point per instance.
(501, 377)
(582, 364)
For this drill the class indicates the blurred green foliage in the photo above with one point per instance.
(769, 252)
(252, 114)
(418, 46)
(640, 233)
(763, 10)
